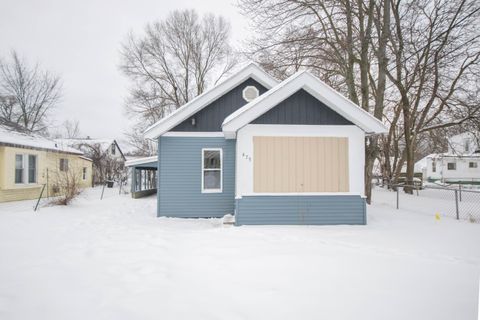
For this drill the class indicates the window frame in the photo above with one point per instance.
(466, 145)
(23, 169)
(65, 167)
(35, 175)
(244, 91)
(454, 166)
(472, 164)
(84, 173)
(203, 169)
(434, 166)
(26, 169)
(113, 149)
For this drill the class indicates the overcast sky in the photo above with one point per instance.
(80, 41)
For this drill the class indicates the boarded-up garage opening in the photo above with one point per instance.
(300, 164)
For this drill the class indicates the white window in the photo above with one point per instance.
(25, 168)
(473, 164)
(63, 164)
(84, 173)
(212, 170)
(250, 93)
(19, 169)
(32, 168)
(451, 166)
(113, 148)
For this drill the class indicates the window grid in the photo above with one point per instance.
(206, 168)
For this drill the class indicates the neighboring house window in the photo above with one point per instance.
(473, 164)
(84, 173)
(32, 168)
(467, 145)
(19, 168)
(63, 164)
(212, 170)
(113, 148)
(451, 166)
(434, 166)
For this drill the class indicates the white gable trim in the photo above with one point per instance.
(315, 87)
(251, 70)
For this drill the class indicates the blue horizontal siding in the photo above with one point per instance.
(180, 178)
(309, 210)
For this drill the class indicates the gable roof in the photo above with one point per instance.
(251, 70)
(104, 144)
(314, 86)
(9, 136)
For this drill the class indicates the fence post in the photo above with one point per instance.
(398, 195)
(40, 197)
(103, 189)
(456, 204)
(460, 192)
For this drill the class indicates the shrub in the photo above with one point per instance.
(67, 185)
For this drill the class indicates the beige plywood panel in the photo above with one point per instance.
(300, 164)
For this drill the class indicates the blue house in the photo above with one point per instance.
(269, 152)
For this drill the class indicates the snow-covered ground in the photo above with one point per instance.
(112, 259)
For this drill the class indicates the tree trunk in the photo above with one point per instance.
(410, 157)
(370, 156)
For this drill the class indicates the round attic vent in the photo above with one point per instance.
(250, 93)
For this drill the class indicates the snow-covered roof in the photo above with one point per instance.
(86, 158)
(250, 70)
(103, 143)
(138, 161)
(452, 155)
(8, 136)
(315, 87)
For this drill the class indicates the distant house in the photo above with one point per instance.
(108, 159)
(269, 152)
(29, 161)
(460, 164)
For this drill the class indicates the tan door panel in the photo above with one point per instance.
(300, 164)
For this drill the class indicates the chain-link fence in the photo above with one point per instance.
(456, 202)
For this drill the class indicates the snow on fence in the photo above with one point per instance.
(455, 202)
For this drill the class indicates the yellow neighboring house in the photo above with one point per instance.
(29, 161)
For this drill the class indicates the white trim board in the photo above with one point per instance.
(295, 194)
(251, 70)
(244, 157)
(315, 87)
(211, 134)
(133, 162)
(203, 169)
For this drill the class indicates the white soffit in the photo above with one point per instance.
(251, 70)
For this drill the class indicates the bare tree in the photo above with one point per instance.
(343, 42)
(413, 64)
(66, 186)
(435, 47)
(71, 129)
(27, 94)
(142, 147)
(174, 61)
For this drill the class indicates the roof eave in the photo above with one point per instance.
(251, 70)
(318, 89)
